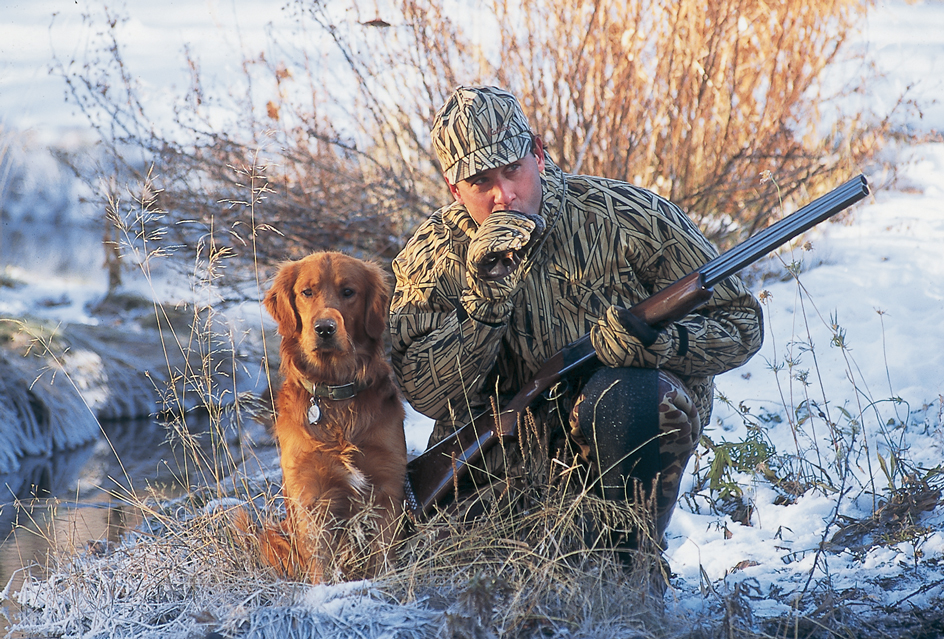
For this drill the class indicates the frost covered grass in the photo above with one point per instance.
(183, 573)
(186, 570)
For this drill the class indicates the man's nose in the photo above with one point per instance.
(504, 195)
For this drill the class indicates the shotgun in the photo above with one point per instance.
(431, 475)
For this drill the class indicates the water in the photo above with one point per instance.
(82, 499)
(51, 252)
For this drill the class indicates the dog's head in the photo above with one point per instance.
(330, 304)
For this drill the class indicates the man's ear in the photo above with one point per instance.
(454, 190)
(537, 147)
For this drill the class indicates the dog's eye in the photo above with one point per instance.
(347, 292)
(306, 292)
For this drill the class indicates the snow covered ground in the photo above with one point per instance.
(881, 278)
(878, 277)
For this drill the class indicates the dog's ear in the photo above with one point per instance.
(280, 300)
(378, 304)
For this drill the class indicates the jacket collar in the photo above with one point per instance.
(554, 193)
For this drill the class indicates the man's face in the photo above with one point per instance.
(512, 187)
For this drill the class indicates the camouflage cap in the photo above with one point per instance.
(479, 128)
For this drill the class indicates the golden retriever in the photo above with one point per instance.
(339, 420)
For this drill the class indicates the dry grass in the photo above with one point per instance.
(692, 100)
(187, 570)
(532, 575)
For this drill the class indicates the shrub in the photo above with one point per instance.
(329, 126)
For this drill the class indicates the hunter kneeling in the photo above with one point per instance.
(525, 261)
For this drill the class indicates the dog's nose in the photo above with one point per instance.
(326, 327)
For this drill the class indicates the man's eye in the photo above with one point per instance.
(306, 292)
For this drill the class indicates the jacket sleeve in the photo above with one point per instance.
(440, 354)
(721, 335)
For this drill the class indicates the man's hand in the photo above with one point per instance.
(496, 262)
(621, 339)
(497, 253)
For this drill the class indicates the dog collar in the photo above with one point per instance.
(334, 393)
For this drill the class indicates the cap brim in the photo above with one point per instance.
(506, 151)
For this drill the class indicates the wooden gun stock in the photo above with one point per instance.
(432, 475)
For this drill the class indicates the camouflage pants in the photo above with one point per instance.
(620, 423)
(637, 429)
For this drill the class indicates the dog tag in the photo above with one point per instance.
(314, 412)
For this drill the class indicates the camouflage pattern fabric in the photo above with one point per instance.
(505, 233)
(479, 128)
(679, 432)
(676, 434)
(606, 244)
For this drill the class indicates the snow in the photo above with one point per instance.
(907, 39)
(878, 275)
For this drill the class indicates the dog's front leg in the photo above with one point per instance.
(307, 540)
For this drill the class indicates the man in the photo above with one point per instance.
(526, 260)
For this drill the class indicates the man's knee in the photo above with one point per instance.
(635, 422)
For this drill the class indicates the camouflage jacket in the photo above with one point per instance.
(607, 243)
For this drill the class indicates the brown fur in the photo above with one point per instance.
(356, 454)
